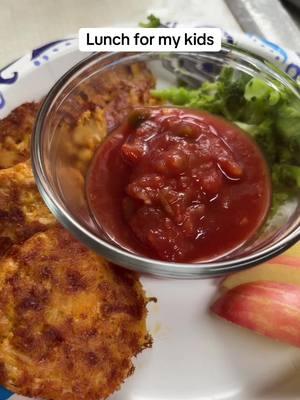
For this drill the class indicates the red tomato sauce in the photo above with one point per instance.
(179, 185)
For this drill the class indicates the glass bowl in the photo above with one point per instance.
(61, 181)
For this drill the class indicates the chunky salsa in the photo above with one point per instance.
(179, 185)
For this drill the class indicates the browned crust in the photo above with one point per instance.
(15, 134)
(22, 210)
(115, 91)
(70, 322)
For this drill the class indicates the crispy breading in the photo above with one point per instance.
(70, 322)
(15, 134)
(22, 210)
(121, 89)
(81, 140)
(115, 91)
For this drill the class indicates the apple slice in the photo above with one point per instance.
(284, 268)
(269, 308)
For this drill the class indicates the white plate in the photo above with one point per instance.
(195, 356)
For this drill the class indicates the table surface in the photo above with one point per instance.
(26, 24)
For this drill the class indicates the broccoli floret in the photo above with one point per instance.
(278, 198)
(257, 89)
(288, 127)
(231, 87)
(286, 184)
(179, 96)
(153, 22)
(261, 101)
(265, 137)
(204, 98)
(286, 176)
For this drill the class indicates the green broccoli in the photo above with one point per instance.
(288, 128)
(286, 176)
(263, 134)
(153, 22)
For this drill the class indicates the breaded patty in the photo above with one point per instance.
(70, 322)
(15, 134)
(81, 139)
(115, 91)
(22, 210)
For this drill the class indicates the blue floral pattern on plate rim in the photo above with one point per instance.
(287, 60)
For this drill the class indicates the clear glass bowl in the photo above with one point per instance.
(62, 185)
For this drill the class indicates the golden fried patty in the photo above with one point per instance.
(22, 210)
(15, 134)
(70, 322)
(115, 91)
(79, 141)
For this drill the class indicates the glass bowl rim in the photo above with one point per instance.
(116, 254)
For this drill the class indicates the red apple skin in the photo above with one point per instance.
(269, 308)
